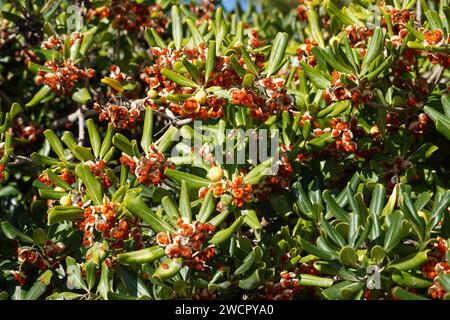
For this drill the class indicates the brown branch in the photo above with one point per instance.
(72, 118)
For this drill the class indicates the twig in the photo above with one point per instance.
(419, 13)
(72, 118)
(382, 106)
(437, 73)
(21, 160)
(80, 117)
(167, 114)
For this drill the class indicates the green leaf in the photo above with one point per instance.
(251, 219)
(113, 83)
(342, 290)
(177, 27)
(277, 53)
(330, 58)
(207, 208)
(237, 66)
(196, 35)
(303, 201)
(40, 286)
(377, 253)
(137, 206)
(377, 201)
(424, 152)
(39, 96)
(103, 286)
(93, 186)
(254, 256)
(74, 278)
(57, 180)
(444, 280)
(310, 248)
(348, 257)
(192, 181)
(410, 262)
(210, 60)
(192, 69)
(225, 234)
(142, 256)
(393, 235)
(82, 96)
(123, 144)
(62, 213)
(178, 78)
(168, 269)
(10, 232)
(259, 172)
(64, 296)
(158, 41)
(83, 153)
(91, 277)
(248, 61)
(374, 49)
(134, 284)
(55, 143)
(308, 280)
(39, 236)
(251, 282)
(171, 210)
(106, 144)
(331, 233)
(147, 132)
(314, 27)
(334, 207)
(94, 137)
(405, 279)
(185, 203)
(316, 77)
(442, 125)
(335, 269)
(403, 294)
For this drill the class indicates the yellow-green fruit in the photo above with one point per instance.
(215, 174)
(200, 97)
(59, 189)
(152, 94)
(65, 201)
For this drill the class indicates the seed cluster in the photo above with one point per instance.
(103, 219)
(98, 169)
(149, 169)
(131, 15)
(285, 289)
(121, 114)
(189, 242)
(437, 264)
(65, 175)
(241, 193)
(47, 256)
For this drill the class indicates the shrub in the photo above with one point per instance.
(180, 151)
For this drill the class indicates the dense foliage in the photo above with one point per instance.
(104, 196)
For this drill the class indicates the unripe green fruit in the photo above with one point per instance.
(200, 97)
(152, 94)
(65, 201)
(215, 174)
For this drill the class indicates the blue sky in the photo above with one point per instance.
(229, 4)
